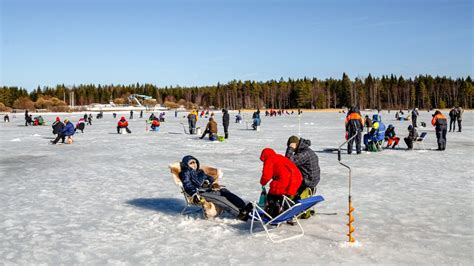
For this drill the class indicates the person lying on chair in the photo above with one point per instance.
(201, 186)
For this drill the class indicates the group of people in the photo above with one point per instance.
(377, 132)
(273, 112)
(290, 175)
(455, 115)
(211, 126)
(62, 130)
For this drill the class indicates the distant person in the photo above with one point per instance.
(256, 120)
(192, 119)
(6, 118)
(67, 131)
(57, 126)
(123, 123)
(285, 179)
(89, 120)
(85, 117)
(225, 122)
(176, 113)
(354, 127)
(131, 114)
(367, 123)
(162, 117)
(441, 126)
(114, 115)
(299, 152)
(27, 118)
(238, 118)
(460, 112)
(453, 116)
(414, 117)
(391, 137)
(211, 129)
(155, 124)
(412, 137)
(141, 113)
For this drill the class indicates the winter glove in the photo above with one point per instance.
(205, 184)
(215, 186)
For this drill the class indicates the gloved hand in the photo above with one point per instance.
(196, 198)
(215, 186)
(347, 135)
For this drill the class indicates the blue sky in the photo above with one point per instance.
(204, 42)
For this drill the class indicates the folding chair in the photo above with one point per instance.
(208, 207)
(420, 141)
(290, 214)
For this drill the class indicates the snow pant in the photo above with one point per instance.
(59, 137)
(302, 188)
(126, 128)
(413, 121)
(226, 131)
(409, 142)
(274, 205)
(393, 141)
(459, 125)
(441, 137)
(452, 124)
(89, 122)
(224, 198)
(192, 126)
(212, 136)
(357, 140)
(6, 119)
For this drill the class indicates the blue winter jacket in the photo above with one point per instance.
(379, 134)
(192, 179)
(68, 130)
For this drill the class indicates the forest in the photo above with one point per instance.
(386, 92)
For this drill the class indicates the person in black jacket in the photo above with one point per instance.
(414, 117)
(412, 136)
(354, 126)
(299, 152)
(225, 122)
(452, 119)
(57, 126)
(199, 185)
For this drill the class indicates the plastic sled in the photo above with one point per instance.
(293, 211)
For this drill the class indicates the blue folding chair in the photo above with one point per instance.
(294, 209)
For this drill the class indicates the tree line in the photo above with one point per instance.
(386, 92)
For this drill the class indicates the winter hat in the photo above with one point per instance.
(57, 118)
(66, 120)
(293, 139)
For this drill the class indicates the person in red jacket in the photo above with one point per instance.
(123, 124)
(285, 176)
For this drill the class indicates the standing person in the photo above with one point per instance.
(459, 114)
(89, 120)
(299, 152)
(354, 126)
(85, 117)
(414, 117)
(225, 122)
(452, 119)
(367, 123)
(131, 114)
(27, 118)
(192, 119)
(211, 129)
(141, 113)
(57, 126)
(412, 136)
(175, 113)
(114, 115)
(123, 123)
(68, 130)
(441, 127)
(284, 176)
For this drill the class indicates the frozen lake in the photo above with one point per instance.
(110, 198)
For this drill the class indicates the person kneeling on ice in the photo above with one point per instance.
(201, 186)
(67, 131)
(412, 136)
(57, 126)
(391, 137)
(81, 125)
(285, 180)
(123, 123)
(155, 124)
(211, 128)
(299, 152)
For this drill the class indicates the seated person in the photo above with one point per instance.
(123, 123)
(199, 185)
(285, 180)
(211, 129)
(238, 118)
(390, 137)
(81, 125)
(57, 126)
(67, 131)
(412, 136)
(376, 134)
(256, 123)
(155, 124)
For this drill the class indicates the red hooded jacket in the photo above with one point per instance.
(285, 176)
(122, 122)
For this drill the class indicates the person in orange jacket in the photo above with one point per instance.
(123, 124)
(441, 126)
(285, 176)
(354, 126)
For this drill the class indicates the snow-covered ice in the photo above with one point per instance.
(110, 198)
